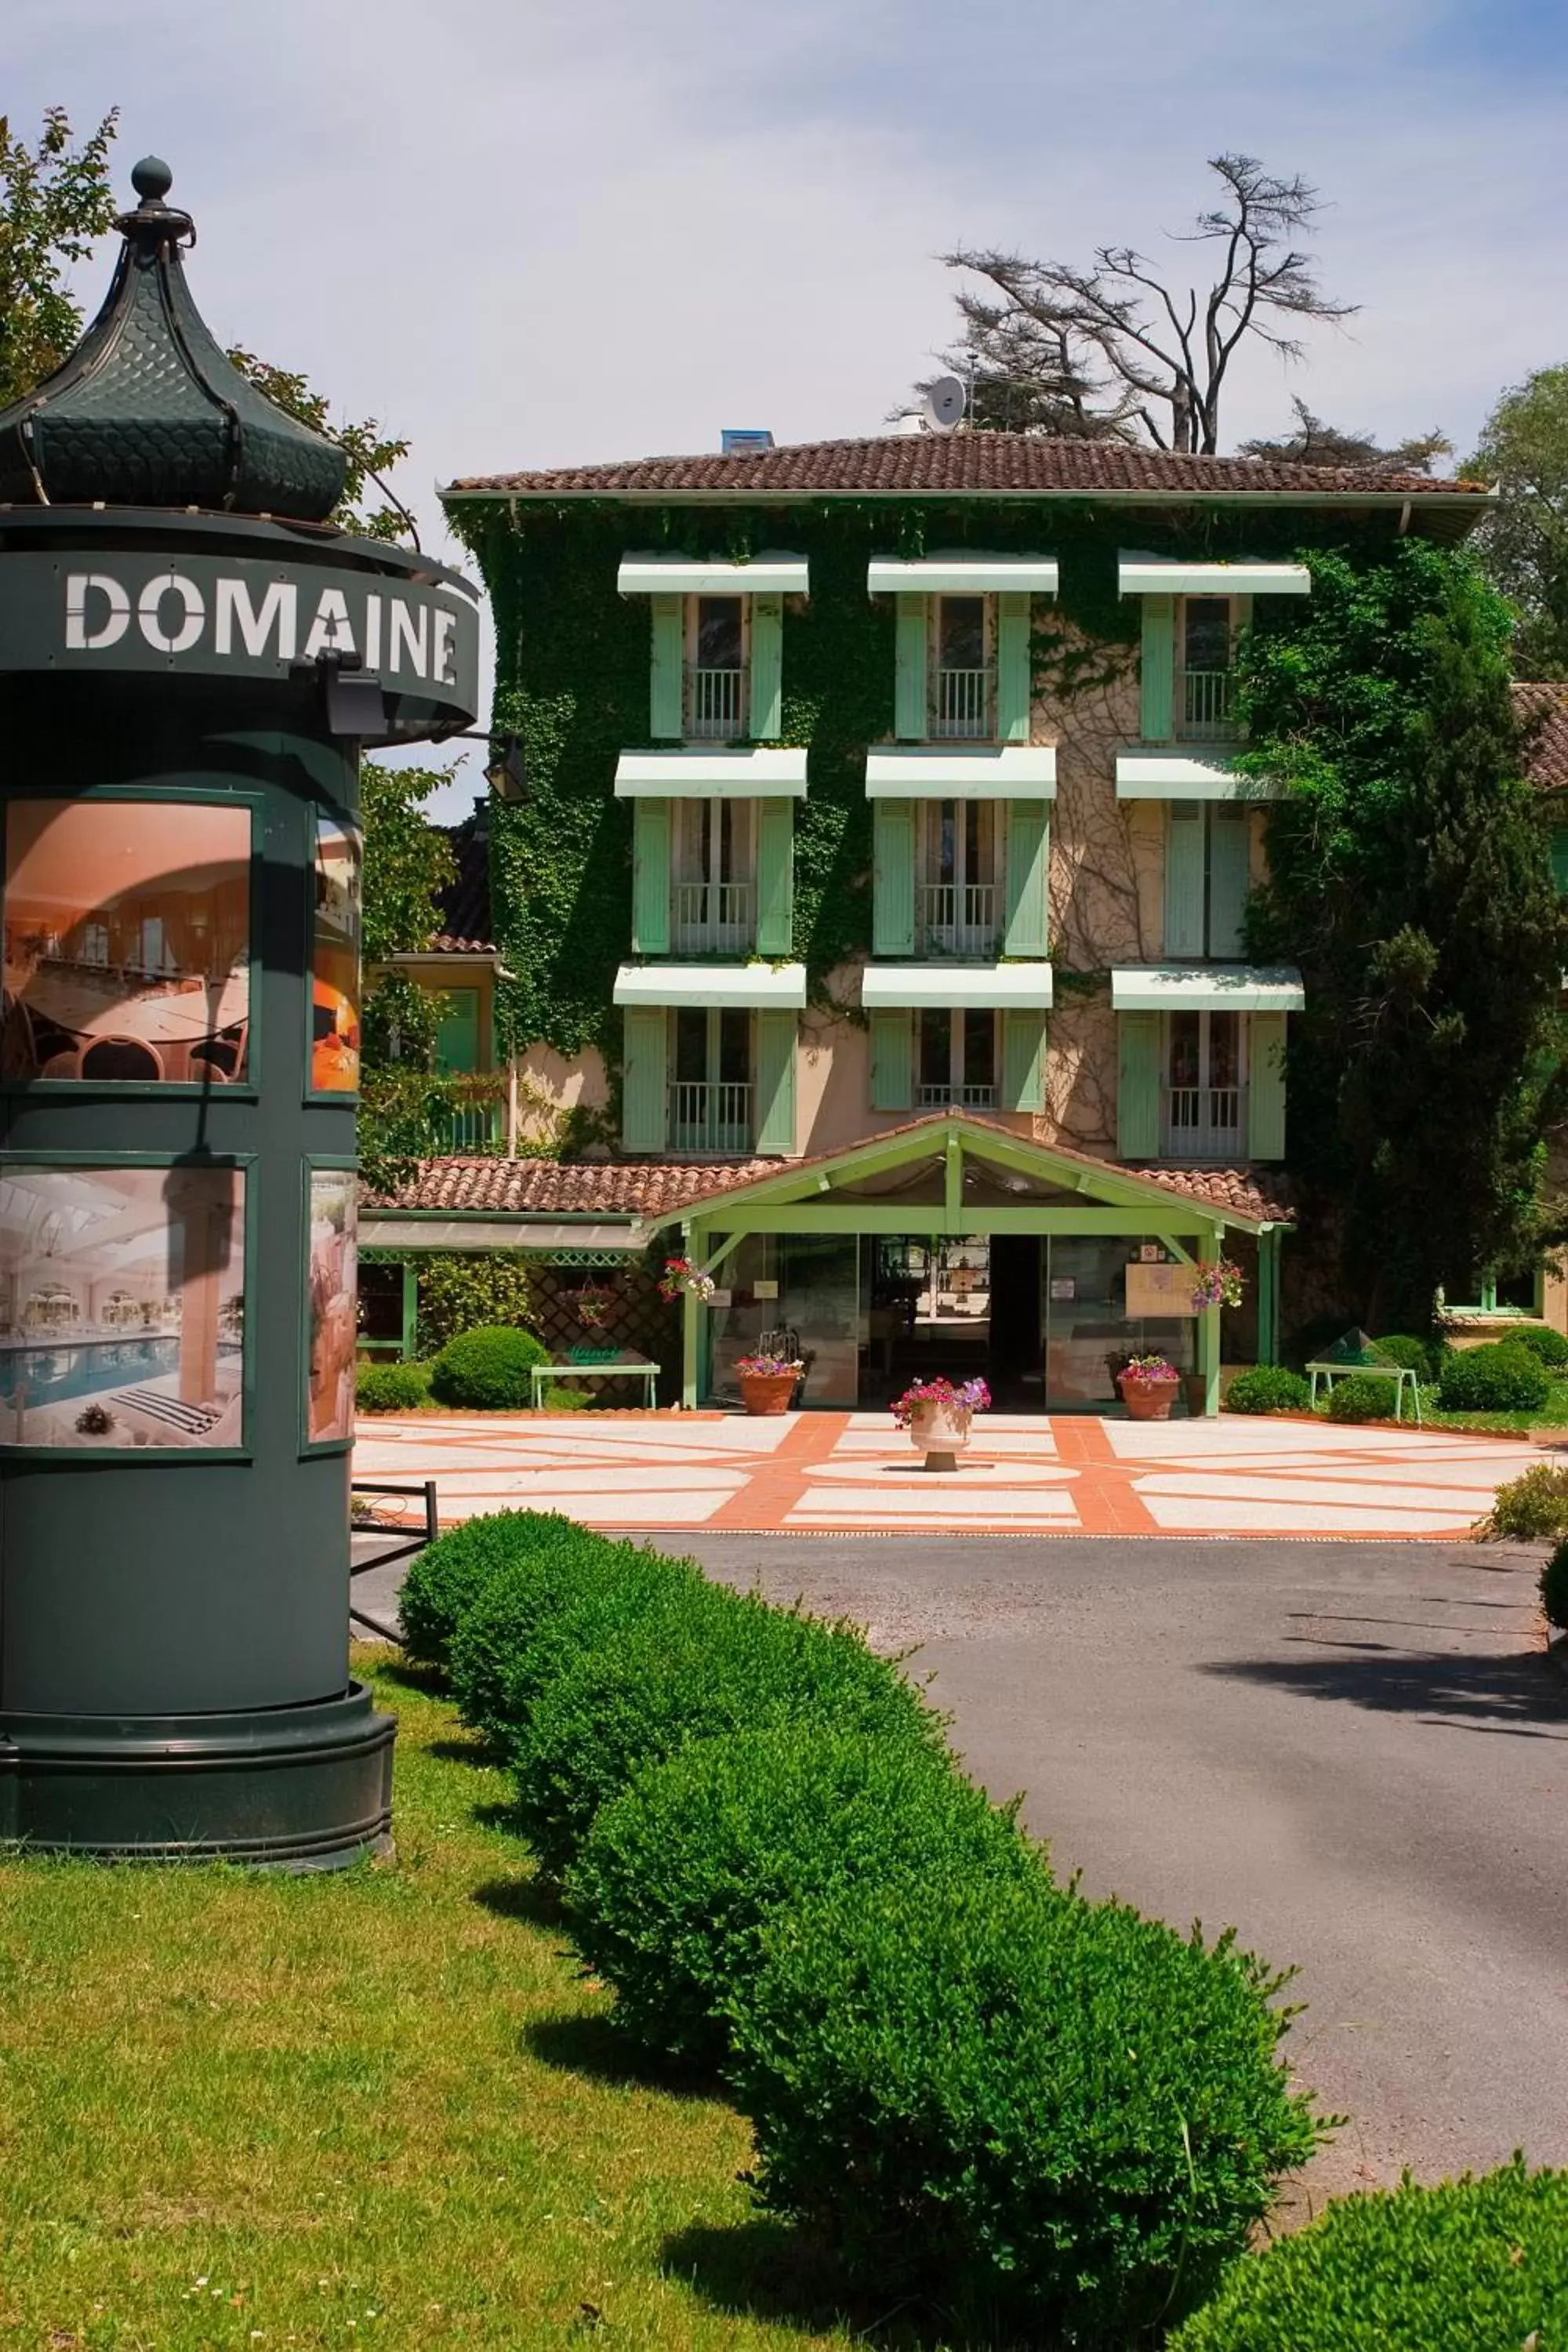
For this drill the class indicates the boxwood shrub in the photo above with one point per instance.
(1421, 1356)
(488, 1371)
(1361, 1396)
(546, 1603)
(391, 1388)
(1549, 1345)
(1533, 1505)
(678, 1876)
(1501, 1377)
(696, 1662)
(1468, 2266)
(1554, 1588)
(448, 1576)
(1268, 1387)
(1015, 2101)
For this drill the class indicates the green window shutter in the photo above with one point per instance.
(1138, 1085)
(1230, 846)
(644, 1087)
(1028, 834)
(775, 877)
(893, 878)
(668, 652)
(892, 1061)
(776, 1081)
(458, 1031)
(1265, 1087)
(651, 878)
(1023, 1060)
(910, 695)
(1185, 830)
(1158, 670)
(767, 668)
(1560, 858)
(1013, 680)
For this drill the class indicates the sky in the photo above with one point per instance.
(527, 235)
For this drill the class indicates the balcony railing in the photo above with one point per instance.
(709, 1118)
(1205, 706)
(1203, 1122)
(715, 704)
(963, 703)
(469, 1126)
(965, 1098)
(958, 919)
(712, 917)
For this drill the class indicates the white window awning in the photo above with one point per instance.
(704, 774)
(894, 987)
(1160, 775)
(679, 575)
(959, 575)
(767, 987)
(962, 772)
(1158, 575)
(1215, 987)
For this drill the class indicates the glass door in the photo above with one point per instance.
(1088, 1334)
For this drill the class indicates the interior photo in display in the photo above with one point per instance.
(333, 1305)
(121, 1305)
(127, 942)
(334, 1026)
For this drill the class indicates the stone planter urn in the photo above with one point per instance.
(1147, 1400)
(768, 1392)
(939, 1431)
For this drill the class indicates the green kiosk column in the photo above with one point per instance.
(191, 658)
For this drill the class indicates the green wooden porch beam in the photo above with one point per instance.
(880, 1217)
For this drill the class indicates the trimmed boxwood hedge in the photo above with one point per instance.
(696, 1662)
(488, 1371)
(1268, 1387)
(391, 1388)
(447, 1577)
(1015, 2101)
(1363, 1397)
(1502, 1377)
(1421, 1356)
(677, 1876)
(1468, 2266)
(1549, 1345)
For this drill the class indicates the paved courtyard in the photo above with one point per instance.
(835, 1473)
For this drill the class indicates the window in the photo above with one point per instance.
(957, 1059)
(963, 681)
(714, 909)
(458, 1031)
(710, 1098)
(1208, 859)
(956, 909)
(1204, 1097)
(1207, 644)
(716, 668)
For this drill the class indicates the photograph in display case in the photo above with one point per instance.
(121, 1305)
(330, 1402)
(334, 960)
(127, 942)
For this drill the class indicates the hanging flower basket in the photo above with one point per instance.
(1149, 1386)
(1217, 1283)
(682, 1279)
(593, 1304)
(939, 1417)
(768, 1383)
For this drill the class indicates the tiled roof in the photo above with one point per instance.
(907, 463)
(656, 1188)
(1543, 713)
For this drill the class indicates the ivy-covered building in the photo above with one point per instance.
(882, 886)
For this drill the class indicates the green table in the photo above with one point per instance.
(639, 1369)
(1398, 1373)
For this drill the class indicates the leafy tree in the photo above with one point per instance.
(1523, 545)
(371, 450)
(1103, 350)
(1410, 881)
(1314, 443)
(408, 862)
(55, 201)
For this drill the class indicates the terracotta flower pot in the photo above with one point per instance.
(1147, 1400)
(765, 1392)
(939, 1431)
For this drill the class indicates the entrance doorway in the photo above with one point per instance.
(1089, 1332)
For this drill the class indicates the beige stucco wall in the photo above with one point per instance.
(550, 1086)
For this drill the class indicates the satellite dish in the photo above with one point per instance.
(946, 401)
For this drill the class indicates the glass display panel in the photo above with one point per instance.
(127, 942)
(1089, 1334)
(334, 960)
(122, 1306)
(333, 1308)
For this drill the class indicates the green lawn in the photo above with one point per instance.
(371, 2108)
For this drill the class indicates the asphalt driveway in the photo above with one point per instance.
(1357, 1754)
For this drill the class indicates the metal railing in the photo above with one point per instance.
(469, 1126)
(709, 1118)
(1203, 1122)
(715, 704)
(957, 919)
(715, 916)
(966, 1098)
(1205, 706)
(426, 1492)
(963, 703)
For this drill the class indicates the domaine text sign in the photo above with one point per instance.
(236, 617)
